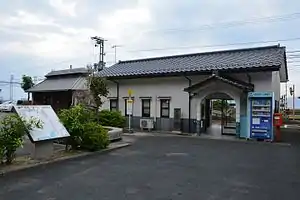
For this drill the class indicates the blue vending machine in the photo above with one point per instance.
(260, 107)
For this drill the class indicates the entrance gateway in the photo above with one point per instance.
(230, 116)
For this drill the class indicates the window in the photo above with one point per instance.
(113, 104)
(146, 107)
(165, 108)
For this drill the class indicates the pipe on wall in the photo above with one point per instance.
(249, 78)
(118, 93)
(190, 101)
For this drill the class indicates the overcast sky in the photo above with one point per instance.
(39, 35)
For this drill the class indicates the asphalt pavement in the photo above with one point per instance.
(166, 168)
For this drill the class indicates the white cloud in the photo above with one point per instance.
(124, 23)
(60, 38)
(25, 18)
(64, 6)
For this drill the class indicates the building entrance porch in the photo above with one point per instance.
(231, 96)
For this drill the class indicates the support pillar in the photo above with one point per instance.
(198, 118)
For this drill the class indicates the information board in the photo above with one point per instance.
(52, 127)
(129, 107)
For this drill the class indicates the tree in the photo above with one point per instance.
(26, 84)
(217, 105)
(97, 89)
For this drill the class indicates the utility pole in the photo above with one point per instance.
(286, 97)
(293, 102)
(292, 92)
(115, 47)
(100, 42)
(11, 87)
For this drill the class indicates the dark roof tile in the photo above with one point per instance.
(219, 60)
(68, 72)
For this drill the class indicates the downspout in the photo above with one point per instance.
(190, 98)
(118, 92)
(249, 78)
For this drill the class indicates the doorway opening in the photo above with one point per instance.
(219, 114)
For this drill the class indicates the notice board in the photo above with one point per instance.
(52, 127)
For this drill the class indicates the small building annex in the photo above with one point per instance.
(165, 87)
(60, 88)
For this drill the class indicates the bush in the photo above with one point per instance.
(111, 118)
(85, 133)
(95, 137)
(74, 120)
(12, 130)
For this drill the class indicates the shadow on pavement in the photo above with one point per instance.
(290, 135)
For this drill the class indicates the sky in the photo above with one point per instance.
(37, 36)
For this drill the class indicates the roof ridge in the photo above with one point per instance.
(201, 53)
(79, 70)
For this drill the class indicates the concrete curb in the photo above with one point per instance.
(207, 138)
(72, 157)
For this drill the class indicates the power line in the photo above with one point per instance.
(293, 61)
(293, 55)
(10, 82)
(217, 45)
(234, 23)
(294, 51)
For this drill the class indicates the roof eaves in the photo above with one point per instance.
(32, 88)
(225, 80)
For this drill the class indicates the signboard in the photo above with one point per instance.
(52, 127)
(129, 106)
(130, 91)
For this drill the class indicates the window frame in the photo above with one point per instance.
(110, 104)
(148, 107)
(162, 108)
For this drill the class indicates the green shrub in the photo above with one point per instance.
(85, 133)
(111, 118)
(95, 137)
(74, 120)
(12, 130)
(2, 151)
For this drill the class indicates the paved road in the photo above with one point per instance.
(166, 168)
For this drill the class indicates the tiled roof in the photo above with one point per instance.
(258, 57)
(60, 84)
(228, 80)
(68, 72)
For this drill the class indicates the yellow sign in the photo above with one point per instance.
(130, 92)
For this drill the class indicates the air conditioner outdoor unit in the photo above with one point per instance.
(146, 124)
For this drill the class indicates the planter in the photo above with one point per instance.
(114, 133)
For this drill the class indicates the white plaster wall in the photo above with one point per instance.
(276, 84)
(262, 81)
(152, 87)
(173, 87)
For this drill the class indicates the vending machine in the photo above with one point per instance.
(261, 105)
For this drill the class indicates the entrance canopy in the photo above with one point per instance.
(227, 80)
